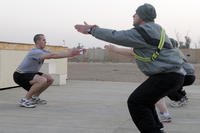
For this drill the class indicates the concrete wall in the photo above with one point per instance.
(9, 60)
(101, 55)
(193, 55)
(11, 55)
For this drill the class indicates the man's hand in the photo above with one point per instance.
(84, 28)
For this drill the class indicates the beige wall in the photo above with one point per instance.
(60, 65)
(11, 54)
(9, 60)
(193, 55)
(102, 55)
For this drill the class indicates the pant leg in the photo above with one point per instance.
(178, 94)
(189, 80)
(182, 92)
(141, 102)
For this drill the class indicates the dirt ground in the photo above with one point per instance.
(116, 72)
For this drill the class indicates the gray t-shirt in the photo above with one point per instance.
(32, 61)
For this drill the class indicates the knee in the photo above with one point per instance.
(191, 81)
(50, 81)
(42, 80)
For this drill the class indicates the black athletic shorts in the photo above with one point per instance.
(22, 79)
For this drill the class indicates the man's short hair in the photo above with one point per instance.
(37, 37)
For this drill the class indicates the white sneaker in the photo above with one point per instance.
(26, 103)
(185, 99)
(37, 100)
(165, 118)
(179, 103)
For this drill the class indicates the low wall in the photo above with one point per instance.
(193, 55)
(102, 55)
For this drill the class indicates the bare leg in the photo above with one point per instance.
(161, 105)
(38, 83)
(163, 111)
(49, 82)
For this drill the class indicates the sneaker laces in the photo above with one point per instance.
(37, 100)
(179, 103)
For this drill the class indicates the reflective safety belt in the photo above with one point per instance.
(156, 53)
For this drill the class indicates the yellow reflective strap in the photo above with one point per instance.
(160, 46)
(155, 54)
(143, 59)
(162, 39)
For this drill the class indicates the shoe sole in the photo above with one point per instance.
(22, 105)
(173, 106)
(167, 121)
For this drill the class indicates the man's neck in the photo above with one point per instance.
(36, 46)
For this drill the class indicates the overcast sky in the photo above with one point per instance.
(22, 19)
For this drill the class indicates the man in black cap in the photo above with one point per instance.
(155, 57)
(146, 12)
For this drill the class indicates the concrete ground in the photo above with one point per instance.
(88, 107)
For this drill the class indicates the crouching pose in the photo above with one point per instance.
(163, 112)
(27, 74)
(179, 97)
(155, 57)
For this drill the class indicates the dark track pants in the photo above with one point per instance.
(141, 103)
(177, 95)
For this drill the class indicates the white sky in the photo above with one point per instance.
(22, 19)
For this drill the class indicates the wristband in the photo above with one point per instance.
(89, 31)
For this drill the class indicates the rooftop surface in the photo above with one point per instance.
(88, 107)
